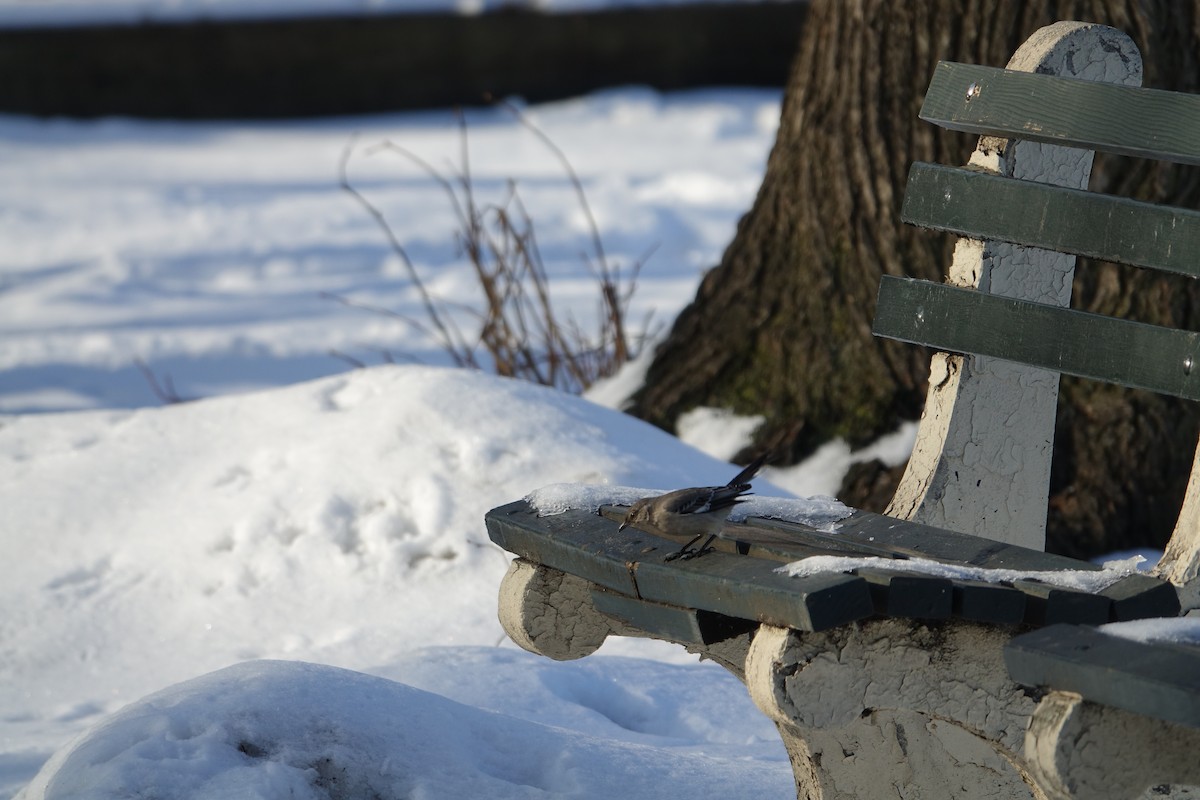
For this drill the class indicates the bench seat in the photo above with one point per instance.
(741, 578)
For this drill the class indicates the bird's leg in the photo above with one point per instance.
(684, 551)
(687, 551)
(702, 549)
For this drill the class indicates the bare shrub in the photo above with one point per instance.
(163, 389)
(518, 330)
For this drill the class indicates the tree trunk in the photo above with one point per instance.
(782, 326)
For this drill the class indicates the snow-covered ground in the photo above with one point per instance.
(336, 522)
(305, 511)
(203, 249)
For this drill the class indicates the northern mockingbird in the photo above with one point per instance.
(695, 512)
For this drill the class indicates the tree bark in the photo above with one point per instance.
(782, 326)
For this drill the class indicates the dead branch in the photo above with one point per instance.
(519, 327)
(164, 390)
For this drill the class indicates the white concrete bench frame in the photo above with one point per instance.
(903, 707)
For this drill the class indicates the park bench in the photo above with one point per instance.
(884, 681)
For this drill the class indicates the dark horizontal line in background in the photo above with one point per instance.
(320, 66)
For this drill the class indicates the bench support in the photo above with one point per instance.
(988, 427)
(864, 710)
(1180, 563)
(551, 613)
(1078, 749)
(875, 709)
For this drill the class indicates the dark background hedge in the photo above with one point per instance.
(349, 65)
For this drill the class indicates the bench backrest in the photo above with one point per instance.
(991, 323)
(980, 205)
(982, 459)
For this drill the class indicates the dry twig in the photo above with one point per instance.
(520, 329)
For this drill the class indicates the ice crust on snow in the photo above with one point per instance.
(1081, 580)
(818, 512)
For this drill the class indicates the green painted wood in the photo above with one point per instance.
(981, 205)
(1046, 604)
(992, 603)
(793, 540)
(901, 594)
(633, 563)
(1159, 680)
(867, 534)
(1140, 596)
(1148, 123)
(752, 588)
(904, 539)
(681, 625)
(659, 620)
(577, 543)
(1072, 342)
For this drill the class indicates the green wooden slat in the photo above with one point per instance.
(792, 540)
(751, 588)
(578, 546)
(1093, 346)
(682, 625)
(912, 595)
(988, 602)
(877, 534)
(1159, 680)
(1046, 604)
(1140, 596)
(1148, 123)
(980, 205)
(662, 621)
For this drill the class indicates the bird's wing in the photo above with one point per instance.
(727, 495)
(702, 499)
(691, 501)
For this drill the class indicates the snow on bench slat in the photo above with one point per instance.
(1091, 581)
(1176, 630)
(819, 512)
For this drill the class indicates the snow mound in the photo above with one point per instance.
(272, 729)
(337, 521)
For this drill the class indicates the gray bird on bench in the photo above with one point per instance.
(697, 512)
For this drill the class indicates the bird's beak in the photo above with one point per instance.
(622, 526)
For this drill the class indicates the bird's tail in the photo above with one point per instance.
(749, 472)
